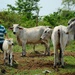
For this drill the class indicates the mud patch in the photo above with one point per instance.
(69, 53)
(36, 64)
(68, 74)
(34, 60)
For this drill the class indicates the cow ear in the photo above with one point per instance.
(51, 30)
(11, 28)
(18, 24)
(49, 27)
(20, 28)
(67, 32)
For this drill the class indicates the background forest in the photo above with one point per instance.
(26, 13)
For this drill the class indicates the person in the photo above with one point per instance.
(3, 35)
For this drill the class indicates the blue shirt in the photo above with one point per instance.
(2, 33)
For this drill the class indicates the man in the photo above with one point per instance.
(2, 33)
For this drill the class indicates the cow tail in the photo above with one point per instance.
(58, 34)
(59, 39)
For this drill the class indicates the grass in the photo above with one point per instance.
(71, 46)
(69, 66)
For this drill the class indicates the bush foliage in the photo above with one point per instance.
(60, 17)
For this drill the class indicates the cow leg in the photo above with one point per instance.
(23, 49)
(47, 49)
(4, 57)
(34, 47)
(55, 56)
(60, 56)
(74, 35)
(62, 60)
(10, 59)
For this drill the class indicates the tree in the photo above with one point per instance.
(25, 7)
(61, 17)
(68, 3)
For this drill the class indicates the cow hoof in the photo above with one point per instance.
(11, 65)
(44, 54)
(58, 63)
(62, 66)
(48, 54)
(54, 66)
(3, 71)
(23, 55)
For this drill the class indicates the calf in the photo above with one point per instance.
(7, 48)
(46, 34)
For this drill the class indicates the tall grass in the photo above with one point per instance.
(69, 60)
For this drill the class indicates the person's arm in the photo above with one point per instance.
(5, 33)
(6, 36)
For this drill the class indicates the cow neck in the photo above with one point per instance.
(19, 41)
(9, 47)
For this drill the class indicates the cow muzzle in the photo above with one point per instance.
(14, 32)
(41, 38)
(12, 43)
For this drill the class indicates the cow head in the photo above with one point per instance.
(71, 20)
(47, 33)
(71, 27)
(10, 41)
(16, 28)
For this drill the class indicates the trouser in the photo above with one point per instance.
(1, 46)
(74, 36)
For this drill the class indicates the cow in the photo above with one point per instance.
(61, 36)
(69, 22)
(30, 36)
(8, 50)
(47, 34)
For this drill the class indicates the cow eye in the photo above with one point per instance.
(71, 26)
(67, 32)
(48, 32)
(17, 27)
(9, 41)
(45, 31)
(68, 24)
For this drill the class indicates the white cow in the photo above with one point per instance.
(46, 34)
(60, 37)
(29, 36)
(8, 50)
(72, 20)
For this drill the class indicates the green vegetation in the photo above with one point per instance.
(60, 17)
(36, 64)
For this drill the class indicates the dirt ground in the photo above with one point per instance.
(34, 61)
